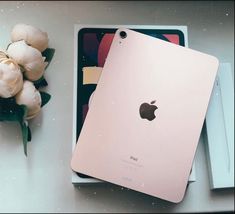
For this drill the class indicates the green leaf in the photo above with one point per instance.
(48, 53)
(40, 83)
(22, 113)
(29, 134)
(11, 111)
(25, 133)
(45, 98)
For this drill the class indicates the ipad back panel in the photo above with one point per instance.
(151, 155)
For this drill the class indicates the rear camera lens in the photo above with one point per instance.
(123, 34)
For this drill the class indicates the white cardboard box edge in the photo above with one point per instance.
(75, 178)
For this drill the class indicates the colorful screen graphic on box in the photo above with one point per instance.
(93, 48)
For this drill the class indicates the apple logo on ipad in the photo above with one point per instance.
(147, 111)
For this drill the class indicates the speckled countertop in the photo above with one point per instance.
(42, 182)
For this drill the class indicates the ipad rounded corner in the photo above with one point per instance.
(81, 31)
(178, 199)
(217, 62)
(72, 165)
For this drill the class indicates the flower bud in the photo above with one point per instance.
(29, 58)
(11, 79)
(32, 36)
(30, 97)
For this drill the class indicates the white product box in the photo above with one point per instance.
(220, 130)
(75, 178)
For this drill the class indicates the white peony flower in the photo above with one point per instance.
(30, 97)
(3, 55)
(32, 36)
(29, 58)
(11, 79)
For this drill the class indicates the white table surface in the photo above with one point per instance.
(42, 181)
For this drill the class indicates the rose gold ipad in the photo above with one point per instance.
(146, 115)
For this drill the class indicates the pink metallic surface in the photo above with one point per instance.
(150, 157)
